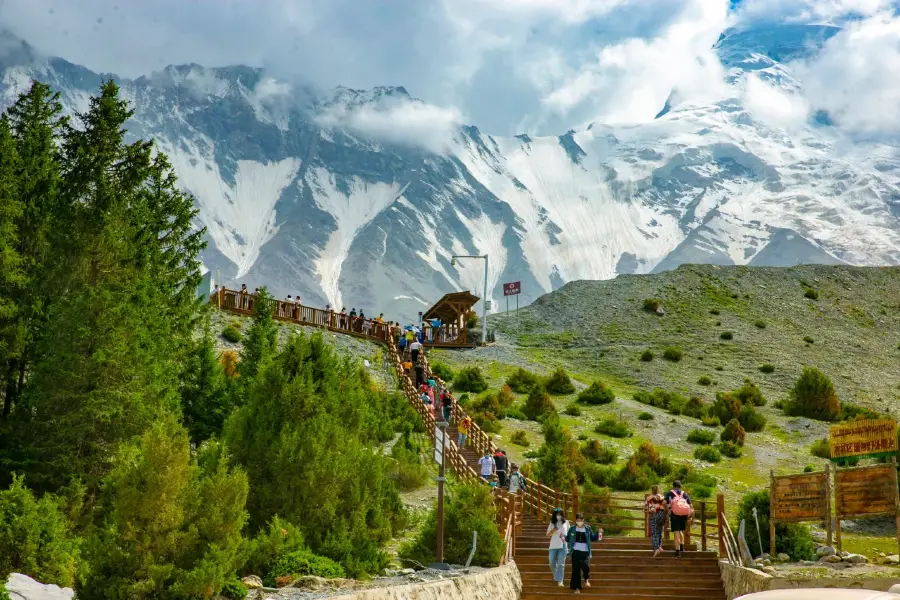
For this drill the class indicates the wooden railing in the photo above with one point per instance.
(614, 512)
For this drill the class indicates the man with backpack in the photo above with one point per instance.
(680, 511)
(502, 463)
(516, 481)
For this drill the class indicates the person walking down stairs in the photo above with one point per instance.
(578, 540)
(557, 531)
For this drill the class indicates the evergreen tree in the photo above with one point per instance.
(11, 208)
(261, 338)
(560, 456)
(205, 398)
(35, 123)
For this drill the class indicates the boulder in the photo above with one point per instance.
(252, 582)
(782, 557)
(23, 587)
(893, 559)
(825, 551)
(894, 589)
(845, 554)
(830, 558)
(310, 582)
(856, 559)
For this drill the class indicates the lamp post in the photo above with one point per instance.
(484, 295)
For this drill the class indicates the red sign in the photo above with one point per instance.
(512, 289)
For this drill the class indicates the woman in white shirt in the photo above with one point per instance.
(557, 531)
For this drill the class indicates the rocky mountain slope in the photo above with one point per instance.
(299, 191)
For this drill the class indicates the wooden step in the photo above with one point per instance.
(600, 546)
(601, 581)
(630, 571)
(626, 554)
(564, 593)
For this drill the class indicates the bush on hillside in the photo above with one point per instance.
(701, 436)
(232, 333)
(726, 335)
(652, 304)
(632, 477)
(809, 469)
(646, 356)
(277, 539)
(694, 407)
(597, 451)
(537, 404)
(519, 438)
(303, 562)
(851, 412)
(813, 396)
(704, 380)
(646, 455)
(559, 383)
(408, 471)
(715, 311)
(613, 427)
(760, 324)
(767, 368)
(809, 340)
(726, 407)
(470, 379)
(597, 393)
(733, 432)
(573, 410)
(467, 508)
(751, 419)
(821, 449)
(233, 589)
(472, 320)
(707, 453)
(673, 402)
(560, 458)
(645, 416)
(710, 421)
(515, 413)
(793, 539)
(442, 370)
(811, 294)
(522, 381)
(730, 449)
(749, 393)
(506, 397)
(34, 537)
(673, 354)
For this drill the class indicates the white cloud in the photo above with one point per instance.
(630, 80)
(800, 10)
(572, 11)
(856, 77)
(398, 121)
(773, 106)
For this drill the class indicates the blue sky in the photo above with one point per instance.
(506, 65)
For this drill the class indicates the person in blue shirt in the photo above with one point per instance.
(578, 540)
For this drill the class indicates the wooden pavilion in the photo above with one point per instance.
(451, 311)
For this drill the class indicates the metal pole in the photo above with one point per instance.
(484, 301)
(439, 551)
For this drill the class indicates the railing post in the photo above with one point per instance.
(575, 498)
(558, 504)
(720, 518)
(646, 517)
(539, 486)
(703, 525)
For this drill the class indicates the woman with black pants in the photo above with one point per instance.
(579, 541)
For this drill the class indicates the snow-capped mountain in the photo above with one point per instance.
(295, 197)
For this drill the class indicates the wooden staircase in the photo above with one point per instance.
(622, 568)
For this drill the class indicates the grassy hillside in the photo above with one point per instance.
(842, 320)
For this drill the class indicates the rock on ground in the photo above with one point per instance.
(23, 587)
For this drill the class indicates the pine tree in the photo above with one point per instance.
(11, 277)
(205, 397)
(261, 338)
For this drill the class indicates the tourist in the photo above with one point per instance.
(463, 431)
(420, 372)
(486, 463)
(447, 407)
(401, 345)
(557, 531)
(245, 302)
(502, 462)
(579, 540)
(343, 317)
(680, 510)
(655, 508)
(516, 481)
(414, 348)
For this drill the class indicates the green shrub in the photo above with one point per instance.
(470, 379)
(733, 432)
(522, 381)
(613, 427)
(472, 320)
(646, 455)
(719, 368)
(726, 407)
(751, 419)
(726, 335)
(710, 421)
(234, 589)
(519, 438)
(4, 595)
(813, 396)
(821, 448)
(646, 356)
(467, 508)
(272, 542)
(749, 393)
(559, 383)
(597, 393)
(704, 380)
(673, 354)
(673, 402)
(597, 451)
(597, 474)
(441, 370)
(850, 412)
(811, 294)
(694, 407)
(760, 324)
(645, 416)
(34, 537)
(408, 471)
(730, 449)
(707, 453)
(573, 410)
(809, 469)
(232, 333)
(791, 538)
(537, 404)
(514, 413)
(701, 436)
(767, 368)
(652, 304)
(700, 491)
(809, 340)
(715, 311)
(303, 562)
(632, 477)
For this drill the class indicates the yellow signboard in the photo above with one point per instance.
(863, 438)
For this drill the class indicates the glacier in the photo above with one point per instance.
(296, 196)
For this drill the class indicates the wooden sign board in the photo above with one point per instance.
(800, 497)
(866, 492)
(863, 438)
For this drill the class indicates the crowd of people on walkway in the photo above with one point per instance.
(574, 541)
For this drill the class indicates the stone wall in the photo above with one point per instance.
(741, 580)
(503, 583)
